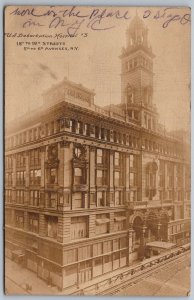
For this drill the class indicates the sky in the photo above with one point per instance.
(97, 64)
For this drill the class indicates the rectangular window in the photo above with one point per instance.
(20, 160)
(116, 259)
(102, 224)
(133, 161)
(70, 256)
(34, 198)
(117, 178)
(52, 200)
(19, 219)
(107, 263)
(119, 225)
(9, 177)
(8, 162)
(84, 252)
(118, 198)
(123, 258)
(97, 270)
(99, 156)
(97, 132)
(87, 129)
(53, 176)
(8, 196)
(161, 195)
(20, 197)
(123, 242)
(35, 177)
(101, 199)
(117, 159)
(116, 244)
(21, 178)
(33, 222)
(133, 180)
(133, 196)
(170, 195)
(161, 180)
(70, 275)
(79, 227)
(80, 127)
(52, 226)
(107, 247)
(97, 249)
(101, 177)
(77, 200)
(78, 176)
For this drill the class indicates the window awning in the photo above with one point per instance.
(120, 218)
(102, 221)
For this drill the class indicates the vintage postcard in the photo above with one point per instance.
(97, 150)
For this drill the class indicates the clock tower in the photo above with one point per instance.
(137, 76)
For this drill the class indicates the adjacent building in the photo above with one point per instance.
(87, 187)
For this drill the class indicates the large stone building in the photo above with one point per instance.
(86, 187)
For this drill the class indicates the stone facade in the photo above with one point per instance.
(87, 187)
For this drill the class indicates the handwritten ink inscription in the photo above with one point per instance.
(73, 19)
(167, 16)
(70, 18)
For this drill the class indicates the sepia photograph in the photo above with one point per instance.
(97, 150)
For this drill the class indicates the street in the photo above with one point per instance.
(171, 280)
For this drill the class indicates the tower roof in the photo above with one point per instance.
(137, 22)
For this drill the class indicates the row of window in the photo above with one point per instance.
(34, 159)
(79, 225)
(79, 177)
(102, 156)
(138, 62)
(171, 194)
(35, 177)
(87, 270)
(102, 177)
(24, 137)
(172, 175)
(149, 122)
(98, 249)
(77, 127)
(79, 199)
(150, 145)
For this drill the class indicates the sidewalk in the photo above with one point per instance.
(21, 276)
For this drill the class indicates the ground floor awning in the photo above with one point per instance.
(161, 245)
